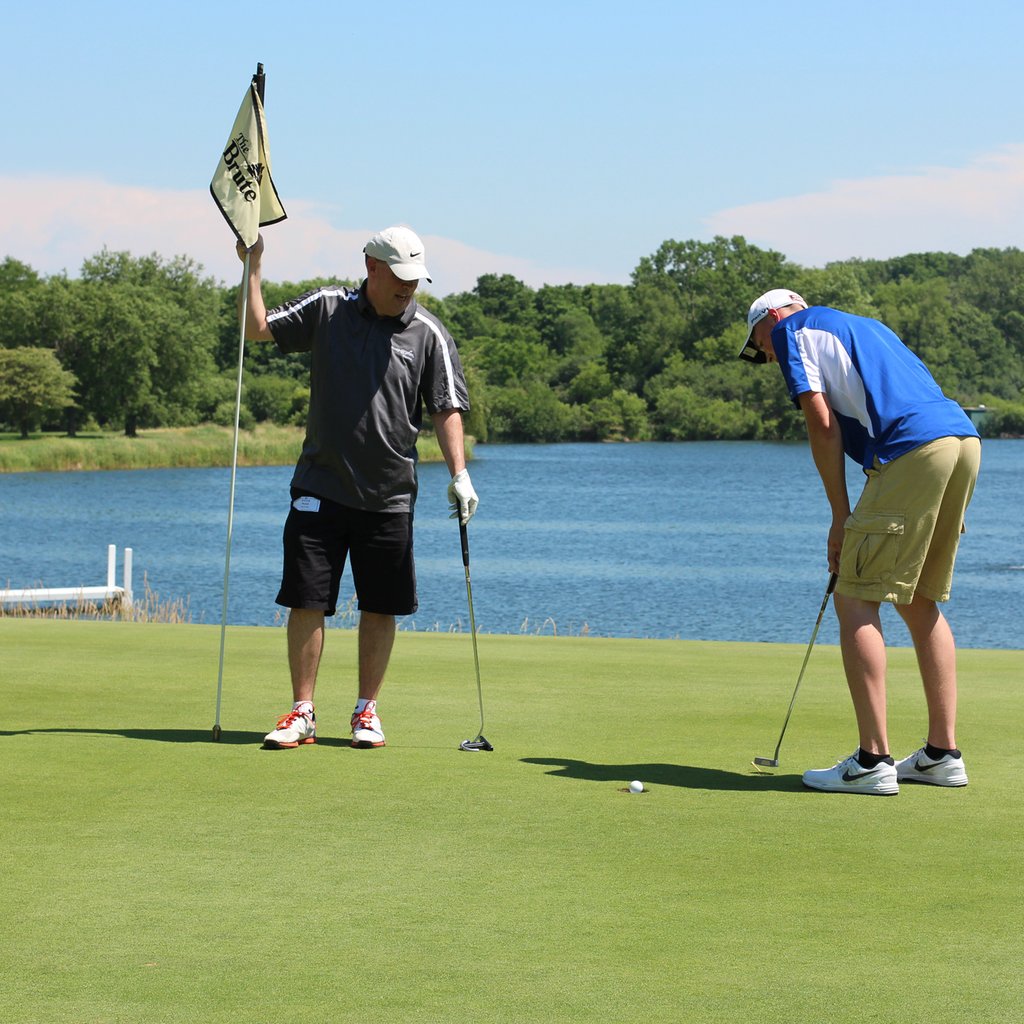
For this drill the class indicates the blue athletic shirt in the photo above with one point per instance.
(885, 399)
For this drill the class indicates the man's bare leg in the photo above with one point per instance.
(376, 639)
(305, 646)
(936, 659)
(864, 658)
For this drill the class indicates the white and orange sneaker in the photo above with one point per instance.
(366, 728)
(292, 730)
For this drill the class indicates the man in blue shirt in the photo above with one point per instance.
(864, 394)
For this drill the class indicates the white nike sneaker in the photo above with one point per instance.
(919, 767)
(366, 728)
(292, 730)
(850, 776)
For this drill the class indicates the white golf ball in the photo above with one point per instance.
(636, 786)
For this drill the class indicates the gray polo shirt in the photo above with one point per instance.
(371, 377)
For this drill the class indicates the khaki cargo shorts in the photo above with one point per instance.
(902, 537)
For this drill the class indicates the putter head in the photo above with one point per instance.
(767, 762)
(480, 743)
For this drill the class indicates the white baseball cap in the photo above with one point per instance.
(775, 299)
(402, 250)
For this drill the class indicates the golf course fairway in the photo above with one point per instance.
(152, 876)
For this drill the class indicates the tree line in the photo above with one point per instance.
(137, 342)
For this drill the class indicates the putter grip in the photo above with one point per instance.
(832, 581)
(464, 537)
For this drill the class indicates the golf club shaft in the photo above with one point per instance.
(799, 679)
(464, 537)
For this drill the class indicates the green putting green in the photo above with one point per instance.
(152, 875)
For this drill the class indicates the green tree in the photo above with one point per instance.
(33, 388)
(837, 285)
(715, 281)
(684, 414)
(579, 345)
(153, 342)
(506, 299)
(20, 287)
(655, 328)
(512, 358)
(620, 416)
(531, 413)
(477, 423)
(992, 281)
(278, 399)
(141, 339)
(592, 382)
(464, 315)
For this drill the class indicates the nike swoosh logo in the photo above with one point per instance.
(918, 767)
(413, 255)
(847, 777)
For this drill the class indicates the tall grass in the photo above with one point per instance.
(170, 447)
(149, 608)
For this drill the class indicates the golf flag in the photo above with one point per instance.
(244, 192)
(242, 187)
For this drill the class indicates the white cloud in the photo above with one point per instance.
(934, 209)
(53, 224)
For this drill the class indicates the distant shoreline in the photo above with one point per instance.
(202, 447)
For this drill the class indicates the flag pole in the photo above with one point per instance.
(259, 79)
(231, 498)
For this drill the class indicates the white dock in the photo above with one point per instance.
(100, 594)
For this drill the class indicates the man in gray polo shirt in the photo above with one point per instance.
(377, 359)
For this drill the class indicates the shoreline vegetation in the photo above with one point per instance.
(202, 447)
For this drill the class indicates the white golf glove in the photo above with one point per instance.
(462, 498)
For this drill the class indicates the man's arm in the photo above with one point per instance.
(830, 461)
(256, 328)
(450, 438)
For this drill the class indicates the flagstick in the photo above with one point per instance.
(231, 500)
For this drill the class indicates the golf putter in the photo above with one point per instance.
(480, 742)
(773, 762)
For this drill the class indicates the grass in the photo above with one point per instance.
(182, 447)
(154, 876)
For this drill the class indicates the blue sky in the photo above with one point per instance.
(557, 142)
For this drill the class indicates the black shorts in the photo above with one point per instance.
(320, 534)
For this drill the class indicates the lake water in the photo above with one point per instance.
(713, 541)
